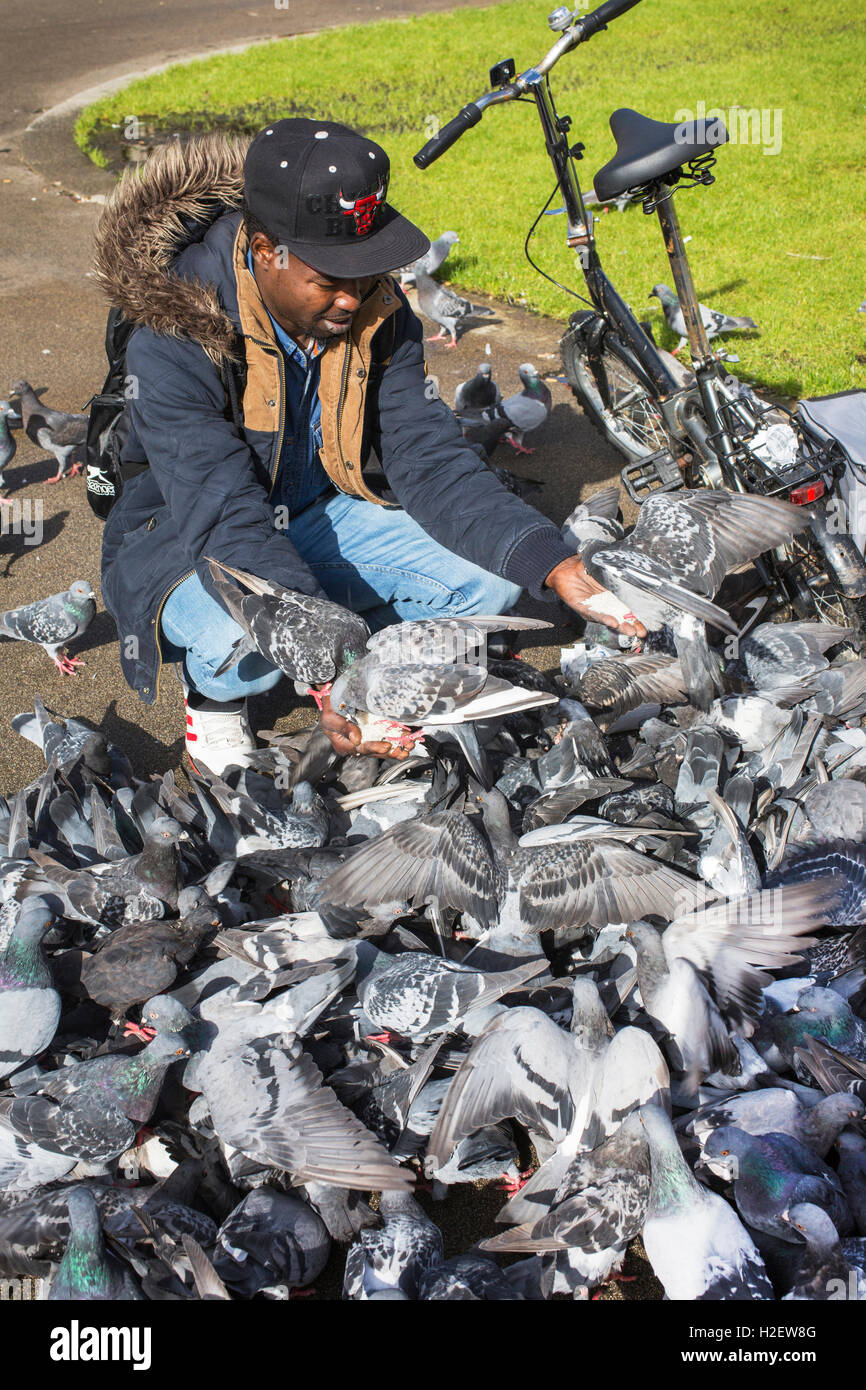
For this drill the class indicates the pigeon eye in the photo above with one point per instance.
(179, 1052)
(725, 1152)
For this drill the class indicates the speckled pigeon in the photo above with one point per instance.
(310, 639)
(52, 622)
(669, 568)
(395, 1255)
(417, 995)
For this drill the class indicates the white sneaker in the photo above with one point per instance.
(219, 736)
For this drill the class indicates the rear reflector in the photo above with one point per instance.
(810, 492)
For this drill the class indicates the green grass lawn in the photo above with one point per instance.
(780, 237)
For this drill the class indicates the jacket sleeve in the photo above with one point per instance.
(205, 471)
(442, 483)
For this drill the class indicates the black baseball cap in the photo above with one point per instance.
(321, 189)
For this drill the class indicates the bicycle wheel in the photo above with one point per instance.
(632, 422)
(813, 591)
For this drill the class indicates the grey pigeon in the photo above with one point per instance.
(782, 654)
(395, 1255)
(271, 1239)
(477, 394)
(311, 639)
(732, 944)
(772, 1110)
(852, 1175)
(694, 1241)
(417, 995)
(446, 308)
(65, 742)
(429, 263)
(87, 1270)
(142, 959)
(525, 411)
(506, 888)
(595, 519)
(467, 1278)
(134, 888)
(570, 1090)
(29, 1003)
(824, 1271)
(55, 430)
(34, 1231)
(599, 1207)
(714, 321)
(52, 622)
(822, 1014)
(770, 1173)
(668, 570)
(7, 449)
(265, 1094)
(90, 1111)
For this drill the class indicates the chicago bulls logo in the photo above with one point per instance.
(363, 209)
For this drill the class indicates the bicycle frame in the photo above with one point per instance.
(706, 421)
(580, 235)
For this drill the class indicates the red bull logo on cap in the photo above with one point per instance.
(363, 209)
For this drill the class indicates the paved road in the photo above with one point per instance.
(53, 321)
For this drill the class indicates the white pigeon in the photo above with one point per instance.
(695, 1242)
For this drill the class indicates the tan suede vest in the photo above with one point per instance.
(344, 375)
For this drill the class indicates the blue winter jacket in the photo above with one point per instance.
(206, 492)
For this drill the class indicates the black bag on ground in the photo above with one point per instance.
(108, 426)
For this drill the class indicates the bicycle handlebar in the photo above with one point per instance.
(448, 135)
(611, 9)
(577, 32)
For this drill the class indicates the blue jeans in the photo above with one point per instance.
(376, 562)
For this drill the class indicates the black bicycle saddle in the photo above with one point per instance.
(647, 150)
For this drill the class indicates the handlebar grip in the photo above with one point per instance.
(450, 134)
(611, 9)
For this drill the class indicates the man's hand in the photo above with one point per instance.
(346, 738)
(575, 587)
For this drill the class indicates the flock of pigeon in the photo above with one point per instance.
(595, 936)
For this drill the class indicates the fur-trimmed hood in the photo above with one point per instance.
(151, 216)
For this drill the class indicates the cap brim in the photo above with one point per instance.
(396, 244)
